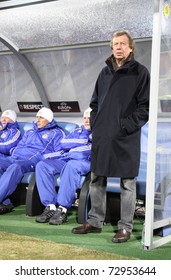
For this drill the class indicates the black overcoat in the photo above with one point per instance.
(120, 107)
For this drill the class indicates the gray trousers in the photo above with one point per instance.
(97, 213)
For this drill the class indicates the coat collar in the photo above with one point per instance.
(111, 62)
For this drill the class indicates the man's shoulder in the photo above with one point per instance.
(139, 68)
(105, 70)
(140, 65)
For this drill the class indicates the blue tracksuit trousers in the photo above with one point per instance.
(69, 180)
(11, 173)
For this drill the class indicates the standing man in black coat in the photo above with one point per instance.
(120, 107)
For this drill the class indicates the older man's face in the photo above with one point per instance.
(121, 48)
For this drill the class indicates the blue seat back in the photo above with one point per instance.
(24, 126)
(68, 127)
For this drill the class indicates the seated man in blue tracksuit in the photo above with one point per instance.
(10, 133)
(75, 161)
(44, 138)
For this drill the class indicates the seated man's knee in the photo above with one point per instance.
(45, 166)
(72, 164)
(15, 168)
(39, 166)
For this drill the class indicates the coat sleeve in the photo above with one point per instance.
(73, 140)
(83, 152)
(139, 116)
(21, 143)
(9, 139)
(94, 103)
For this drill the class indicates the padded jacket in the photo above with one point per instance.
(9, 137)
(37, 142)
(76, 145)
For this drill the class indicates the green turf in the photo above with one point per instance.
(18, 223)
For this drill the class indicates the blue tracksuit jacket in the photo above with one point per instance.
(36, 143)
(9, 137)
(29, 151)
(74, 161)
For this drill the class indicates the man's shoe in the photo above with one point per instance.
(76, 203)
(46, 215)
(6, 208)
(58, 218)
(86, 228)
(121, 236)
